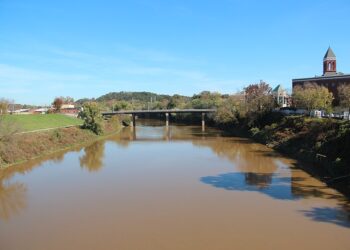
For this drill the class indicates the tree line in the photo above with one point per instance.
(249, 106)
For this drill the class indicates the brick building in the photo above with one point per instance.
(330, 79)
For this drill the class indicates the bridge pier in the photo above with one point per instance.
(167, 133)
(203, 122)
(167, 112)
(133, 121)
(167, 119)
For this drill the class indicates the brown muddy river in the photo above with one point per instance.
(169, 189)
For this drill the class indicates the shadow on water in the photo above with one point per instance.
(264, 183)
(285, 188)
(339, 216)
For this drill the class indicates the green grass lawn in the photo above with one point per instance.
(34, 122)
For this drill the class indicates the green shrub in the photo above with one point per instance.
(254, 131)
(92, 117)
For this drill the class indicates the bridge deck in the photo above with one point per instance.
(159, 111)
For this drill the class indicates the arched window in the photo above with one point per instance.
(329, 66)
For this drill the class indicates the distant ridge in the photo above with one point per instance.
(141, 96)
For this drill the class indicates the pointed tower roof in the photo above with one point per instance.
(277, 88)
(329, 53)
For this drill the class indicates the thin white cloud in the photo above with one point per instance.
(58, 71)
(16, 74)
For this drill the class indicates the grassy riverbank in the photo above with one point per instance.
(23, 147)
(35, 122)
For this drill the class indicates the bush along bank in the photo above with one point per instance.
(323, 142)
(22, 147)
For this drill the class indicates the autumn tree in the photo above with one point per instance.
(344, 96)
(57, 104)
(312, 96)
(259, 97)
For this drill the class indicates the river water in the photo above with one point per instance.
(177, 188)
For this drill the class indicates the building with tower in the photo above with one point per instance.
(281, 97)
(330, 79)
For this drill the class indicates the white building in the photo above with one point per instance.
(281, 96)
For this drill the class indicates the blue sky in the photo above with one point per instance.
(85, 48)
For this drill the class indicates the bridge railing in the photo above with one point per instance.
(133, 113)
(160, 111)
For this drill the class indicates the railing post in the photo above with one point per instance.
(167, 119)
(203, 122)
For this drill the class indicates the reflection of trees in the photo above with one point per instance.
(250, 158)
(259, 180)
(122, 138)
(13, 195)
(247, 156)
(305, 186)
(92, 160)
(259, 171)
(335, 215)
(12, 199)
(57, 158)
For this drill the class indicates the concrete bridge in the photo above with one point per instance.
(134, 113)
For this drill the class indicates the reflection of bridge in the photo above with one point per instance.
(134, 113)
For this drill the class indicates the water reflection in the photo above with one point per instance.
(287, 188)
(92, 160)
(263, 171)
(154, 133)
(336, 215)
(254, 168)
(245, 155)
(259, 180)
(13, 196)
(12, 199)
(275, 187)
